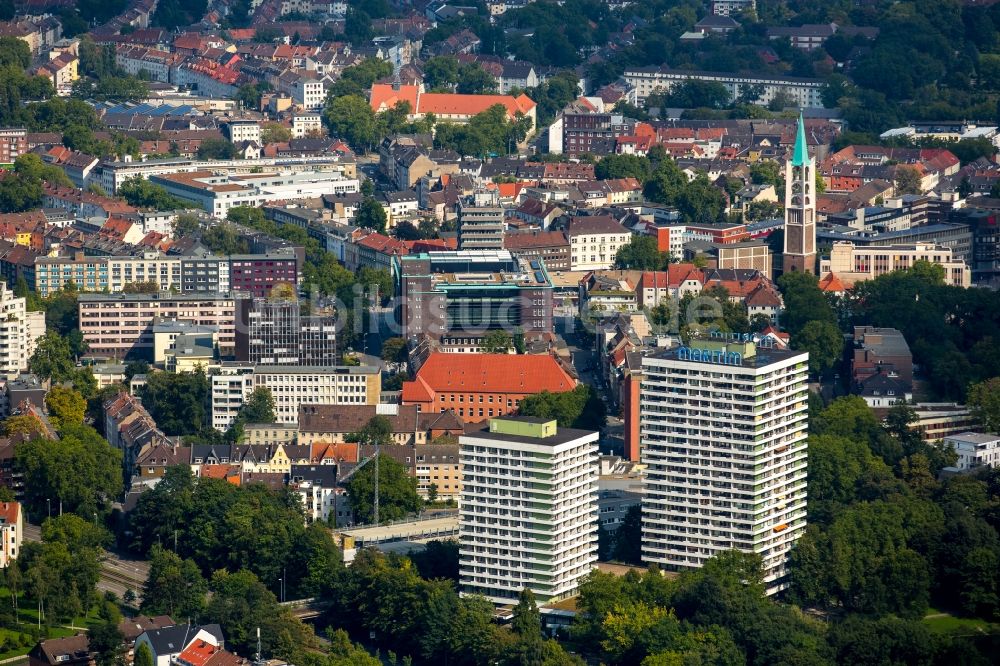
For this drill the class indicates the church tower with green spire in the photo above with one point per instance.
(800, 207)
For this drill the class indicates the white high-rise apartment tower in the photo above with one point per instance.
(528, 514)
(723, 432)
(19, 332)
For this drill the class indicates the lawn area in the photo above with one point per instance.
(946, 623)
(18, 639)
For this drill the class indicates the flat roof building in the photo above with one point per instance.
(460, 293)
(528, 516)
(723, 435)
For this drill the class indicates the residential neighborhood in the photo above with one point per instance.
(514, 333)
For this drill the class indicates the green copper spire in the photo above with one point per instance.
(800, 156)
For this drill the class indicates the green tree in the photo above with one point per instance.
(907, 180)
(496, 342)
(441, 72)
(80, 469)
(143, 656)
(394, 349)
(579, 408)
(177, 402)
(624, 166)
(274, 133)
(240, 603)
(397, 491)
(641, 253)
(66, 406)
(141, 193)
(52, 358)
(804, 302)
(371, 215)
(21, 189)
(107, 640)
(14, 51)
(175, 586)
(984, 400)
(351, 118)
(824, 343)
(216, 149)
(474, 80)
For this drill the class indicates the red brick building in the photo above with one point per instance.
(479, 386)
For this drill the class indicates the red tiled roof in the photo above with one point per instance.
(385, 96)
(487, 373)
(9, 512)
(831, 283)
(347, 452)
(197, 654)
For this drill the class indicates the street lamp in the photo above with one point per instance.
(48, 503)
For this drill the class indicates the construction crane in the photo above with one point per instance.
(358, 468)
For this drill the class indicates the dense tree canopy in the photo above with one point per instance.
(177, 401)
(641, 253)
(221, 526)
(397, 491)
(141, 193)
(580, 408)
(80, 470)
(21, 189)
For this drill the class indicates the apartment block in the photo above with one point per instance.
(723, 434)
(472, 293)
(594, 241)
(974, 449)
(528, 515)
(273, 331)
(802, 92)
(19, 332)
(853, 264)
(11, 532)
(120, 325)
(13, 143)
(481, 222)
(291, 387)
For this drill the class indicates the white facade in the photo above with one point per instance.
(804, 93)
(244, 130)
(528, 509)
(729, 7)
(975, 449)
(304, 124)
(854, 264)
(595, 251)
(150, 267)
(309, 93)
(19, 332)
(217, 194)
(11, 532)
(291, 387)
(135, 59)
(113, 174)
(723, 433)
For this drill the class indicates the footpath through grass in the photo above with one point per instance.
(945, 623)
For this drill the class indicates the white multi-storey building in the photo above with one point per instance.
(11, 532)
(528, 509)
(304, 124)
(975, 449)
(800, 92)
(723, 434)
(291, 386)
(19, 332)
(853, 264)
